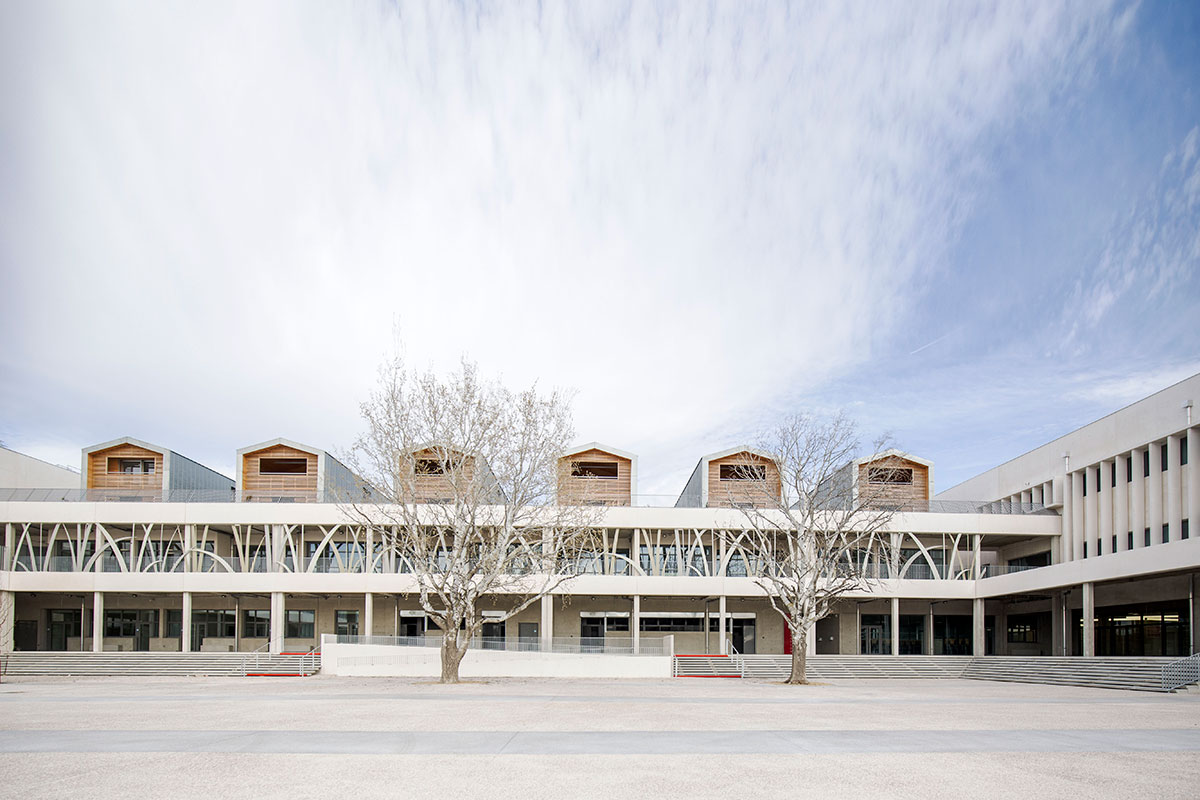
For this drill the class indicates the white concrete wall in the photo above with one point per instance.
(425, 662)
(19, 471)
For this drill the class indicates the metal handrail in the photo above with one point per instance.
(256, 653)
(1181, 672)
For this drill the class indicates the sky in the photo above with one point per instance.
(974, 227)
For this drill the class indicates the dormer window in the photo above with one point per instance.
(434, 466)
(606, 470)
(890, 475)
(743, 472)
(283, 466)
(131, 466)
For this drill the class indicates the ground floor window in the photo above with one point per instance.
(256, 623)
(131, 623)
(952, 635)
(213, 623)
(1147, 629)
(300, 624)
(346, 623)
(1023, 629)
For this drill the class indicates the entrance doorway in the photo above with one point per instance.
(875, 635)
(827, 636)
(493, 635)
(527, 636)
(591, 634)
(25, 635)
(412, 627)
(64, 624)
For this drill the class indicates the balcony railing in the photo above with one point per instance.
(334, 496)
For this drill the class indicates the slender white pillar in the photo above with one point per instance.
(1137, 499)
(237, 623)
(1077, 515)
(1089, 620)
(190, 562)
(185, 624)
(97, 622)
(1174, 512)
(1057, 626)
(1154, 494)
(810, 641)
(928, 648)
(278, 622)
(895, 626)
(1192, 476)
(10, 545)
(721, 626)
(546, 631)
(1121, 524)
(1104, 499)
(978, 628)
(1066, 540)
(368, 615)
(1091, 510)
(635, 624)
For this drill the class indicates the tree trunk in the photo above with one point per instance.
(452, 655)
(799, 655)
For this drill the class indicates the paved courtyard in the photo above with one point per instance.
(338, 737)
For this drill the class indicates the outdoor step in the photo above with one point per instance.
(171, 664)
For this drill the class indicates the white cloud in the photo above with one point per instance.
(217, 213)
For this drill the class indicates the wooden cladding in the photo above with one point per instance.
(435, 475)
(733, 481)
(894, 482)
(279, 471)
(106, 469)
(595, 477)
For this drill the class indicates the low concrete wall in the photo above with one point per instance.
(425, 662)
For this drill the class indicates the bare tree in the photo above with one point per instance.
(820, 532)
(463, 474)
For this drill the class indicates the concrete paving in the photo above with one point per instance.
(540, 738)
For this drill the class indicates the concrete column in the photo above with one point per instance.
(1077, 514)
(1057, 625)
(97, 622)
(895, 626)
(8, 621)
(635, 624)
(10, 546)
(189, 546)
(810, 641)
(278, 622)
(396, 618)
(721, 626)
(1001, 631)
(929, 631)
(369, 556)
(1104, 499)
(1192, 474)
(368, 615)
(1154, 494)
(237, 624)
(1091, 510)
(977, 557)
(1121, 525)
(1066, 541)
(1137, 499)
(1193, 608)
(546, 629)
(978, 628)
(1089, 620)
(1174, 512)
(185, 628)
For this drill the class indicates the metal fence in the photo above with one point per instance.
(606, 645)
(335, 496)
(1181, 672)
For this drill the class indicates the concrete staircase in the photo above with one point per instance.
(1141, 674)
(162, 664)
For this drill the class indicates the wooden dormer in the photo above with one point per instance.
(733, 478)
(593, 474)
